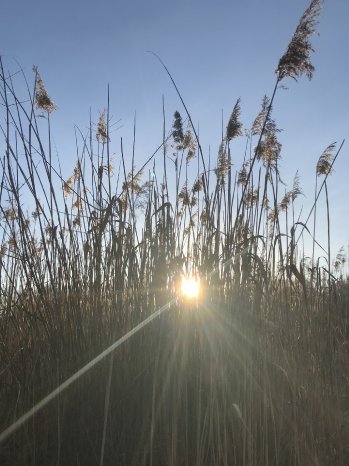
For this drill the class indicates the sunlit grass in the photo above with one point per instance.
(258, 377)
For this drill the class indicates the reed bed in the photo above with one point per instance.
(254, 372)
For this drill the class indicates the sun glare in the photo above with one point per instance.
(190, 287)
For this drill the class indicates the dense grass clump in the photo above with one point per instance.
(254, 372)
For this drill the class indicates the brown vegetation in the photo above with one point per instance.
(254, 373)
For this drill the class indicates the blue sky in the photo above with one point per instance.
(216, 50)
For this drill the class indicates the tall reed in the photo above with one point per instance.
(254, 373)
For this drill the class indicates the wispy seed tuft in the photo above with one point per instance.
(42, 100)
(234, 127)
(296, 60)
(324, 165)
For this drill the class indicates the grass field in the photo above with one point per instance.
(252, 372)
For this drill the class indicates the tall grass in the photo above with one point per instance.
(254, 373)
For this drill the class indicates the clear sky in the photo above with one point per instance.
(217, 51)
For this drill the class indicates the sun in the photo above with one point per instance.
(190, 287)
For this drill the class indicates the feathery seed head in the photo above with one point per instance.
(258, 123)
(285, 201)
(68, 186)
(42, 100)
(102, 135)
(79, 203)
(269, 148)
(296, 60)
(234, 127)
(296, 189)
(324, 165)
(184, 196)
(223, 163)
(197, 186)
(242, 176)
(177, 130)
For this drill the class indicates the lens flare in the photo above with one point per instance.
(190, 287)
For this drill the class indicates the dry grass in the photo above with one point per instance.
(255, 373)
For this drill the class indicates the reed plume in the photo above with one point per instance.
(296, 60)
